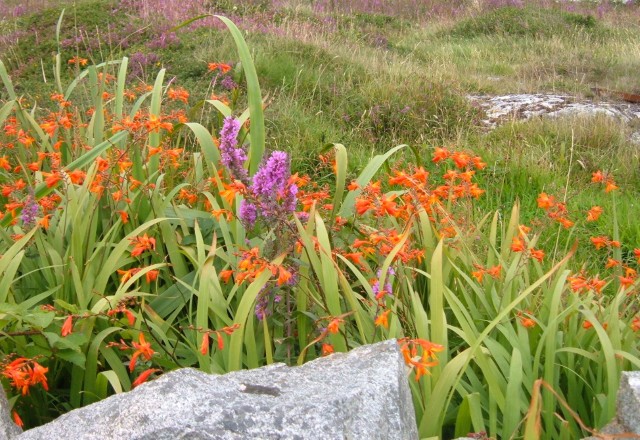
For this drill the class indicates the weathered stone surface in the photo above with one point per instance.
(629, 401)
(499, 109)
(627, 420)
(8, 429)
(363, 394)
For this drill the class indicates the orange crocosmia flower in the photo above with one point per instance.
(610, 186)
(125, 275)
(478, 163)
(141, 244)
(334, 325)
(450, 175)
(77, 176)
(626, 281)
(538, 254)
(614, 243)
(599, 242)
(565, 222)
(479, 274)
(612, 263)
(327, 349)
(144, 376)
(225, 275)
(78, 61)
(283, 275)
(67, 327)
(586, 325)
(527, 322)
(517, 245)
(52, 179)
(383, 319)
(461, 160)
(635, 324)
(440, 154)
(224, 68)
(388, 206)
(594, 214)
(545, 201)
(363, 205)
(16, 419)
(178, 94)
(597, 177)
(230, 191)
(495, 271)
(44, 221)
(143, 348)
(151, 275)
(204, 346)
(124, 216)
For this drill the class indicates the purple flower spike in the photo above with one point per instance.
(233, 158)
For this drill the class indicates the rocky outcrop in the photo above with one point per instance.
(499, 109)
(627, 420)
(363, 394)
(8, 429)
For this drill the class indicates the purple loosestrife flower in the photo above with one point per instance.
(228, 83)
(274, 196)
(272, 177)
(233, 158)
(248, 213)
(29, 212)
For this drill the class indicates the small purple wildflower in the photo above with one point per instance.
(228, 83)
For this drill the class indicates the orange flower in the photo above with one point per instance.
(124, 216)
(597, 177)
(383, 319)
(594, 214)
(78, 61)
(495, 271)
(587, 325)
(16, 419)
(538, 254)
(327, 349)
(224, 68)
(225, 275)
(141, 244)
(144, 376)
(599, 242)
(67, 327)
(545, 201)
(478, 275)
(517, 245)
(283, 275)
(527, 322)
(151, 276)
(635, 324)
(611, 263)
(143, 348)
(610, 186)
(204, 346)
(440, 154)
(334, 325)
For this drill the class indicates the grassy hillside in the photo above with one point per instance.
(370, 76)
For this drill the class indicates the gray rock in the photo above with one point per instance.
(627, 420)
(363, 394)
(629, 401)
(8, 429)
